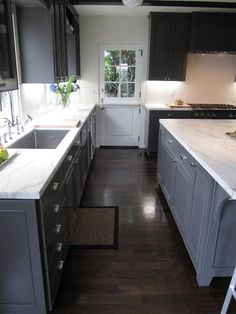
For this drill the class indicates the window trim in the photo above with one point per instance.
(138, 65)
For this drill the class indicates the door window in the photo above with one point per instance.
(119, 75)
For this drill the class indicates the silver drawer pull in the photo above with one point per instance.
(60, 265)
(170, 141)
(59, 247)
(55, 186)
(57, 228)
(193, 164)
(56, 208)
(183, 157)
(69, 157)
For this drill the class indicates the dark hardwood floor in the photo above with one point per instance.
(151, 271)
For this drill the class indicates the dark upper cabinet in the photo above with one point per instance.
(168, 46)
(73, 41)
(8, 78)
(213, 32)
(48, 42)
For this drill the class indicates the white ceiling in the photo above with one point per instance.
(120, 10)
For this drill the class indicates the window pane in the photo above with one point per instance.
(111, 74)
(111, 89)
(128, 57)
(127, 74)
(127, 89)
(112, 57)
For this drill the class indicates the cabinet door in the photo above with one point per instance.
(58, 13)
(213, 32)
(178, 48)
(168, 46)
(8, 80)
(169, 173)
(184, 180)
(159, 47)
(78, 179)
(200, 205)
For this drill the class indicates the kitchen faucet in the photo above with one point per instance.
(25, 122)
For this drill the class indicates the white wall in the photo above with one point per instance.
(97, 30)
(210, 78)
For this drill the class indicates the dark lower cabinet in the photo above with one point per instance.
(35, 234)
(169, 40)
(22, 283)
(152, 122)
(202, 210)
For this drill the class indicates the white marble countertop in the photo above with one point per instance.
(27, 175)
(164, 107)
(207, 142)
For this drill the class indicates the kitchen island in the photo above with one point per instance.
(197, 174)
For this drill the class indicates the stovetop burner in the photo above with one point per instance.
(212, 106)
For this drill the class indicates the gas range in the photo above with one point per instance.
(213, 111)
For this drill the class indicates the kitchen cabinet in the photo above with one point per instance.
(169, 40)
(8, 75)
(48, 42)
(86, 153)
(93, 132)
(73, 41)
(152, 125)
(202, 210)
(213, 32)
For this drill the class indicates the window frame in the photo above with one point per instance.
(138, 65)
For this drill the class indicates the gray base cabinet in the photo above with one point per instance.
(203, 212)
(35, 234)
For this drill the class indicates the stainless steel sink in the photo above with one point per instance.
(40, 139)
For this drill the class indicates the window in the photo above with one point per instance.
(119, 75)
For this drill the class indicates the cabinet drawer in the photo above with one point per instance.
(59, 229)
(70, 157)
(56, 211)
(49, 198)
(170, 114)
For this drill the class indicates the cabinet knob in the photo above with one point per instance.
(59, 247)
(183, 157)
(56, 208)
(60, 265)
(173, 160)
(193, 164)
(170, 141)
(55, 186)
(77, 143)
(69, 158)
(57, 228)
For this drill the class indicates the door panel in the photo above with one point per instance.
(119, 125)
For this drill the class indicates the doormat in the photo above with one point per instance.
(96, 228)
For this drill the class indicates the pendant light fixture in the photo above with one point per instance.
(132, 3)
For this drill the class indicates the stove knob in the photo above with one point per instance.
(231, 116)
(202, 114)
(208, 115)
(196, 115)
(214, 115)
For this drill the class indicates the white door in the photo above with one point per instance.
(119, 125)
(120, 67)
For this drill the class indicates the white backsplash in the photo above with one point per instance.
(210, 78)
